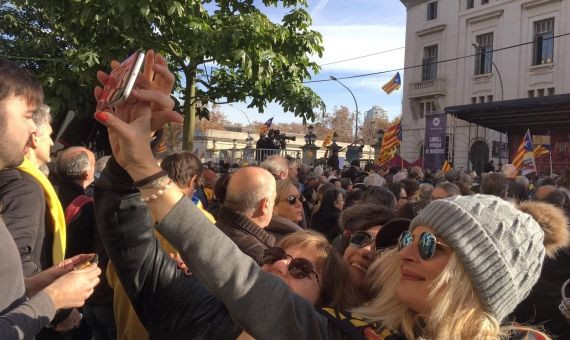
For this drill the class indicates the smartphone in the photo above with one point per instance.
(87, 263)
(121, 81)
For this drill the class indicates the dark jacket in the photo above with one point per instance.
(326, 223)
(170, 304)
(541, 306)
(23, 207)
(280, 227)
(251, 239)
(83, 238)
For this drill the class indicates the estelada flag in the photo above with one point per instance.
(393, 85)
(524, 158)
(263, 129)
(327, 141)
(446, 166)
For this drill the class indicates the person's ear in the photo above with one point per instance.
(35, 142)
(193, 183)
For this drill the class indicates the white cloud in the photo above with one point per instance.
(348, 41)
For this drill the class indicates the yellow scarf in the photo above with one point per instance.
(54, 207)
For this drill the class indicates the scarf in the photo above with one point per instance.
(54, 207)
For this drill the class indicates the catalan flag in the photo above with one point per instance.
(541, 150)
(446, 167)
(392, 85)
(392, 138)
(263, 129)
(524, 147)
(524, 158)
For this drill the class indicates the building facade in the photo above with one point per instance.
(462, 52)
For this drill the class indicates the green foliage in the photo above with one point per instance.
(228, 49)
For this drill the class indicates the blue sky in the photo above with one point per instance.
(350, 28)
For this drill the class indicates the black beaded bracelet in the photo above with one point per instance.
(147, 180)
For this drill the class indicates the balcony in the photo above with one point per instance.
(427, 88)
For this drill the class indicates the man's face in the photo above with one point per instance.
(16, 130)
(43, 144)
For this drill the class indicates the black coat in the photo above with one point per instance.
(170, 304)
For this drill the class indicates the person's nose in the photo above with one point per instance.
(410, 253)
(280, 268)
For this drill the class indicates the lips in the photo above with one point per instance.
(411, 276)
(359, 267)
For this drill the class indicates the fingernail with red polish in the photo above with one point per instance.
(102, 116)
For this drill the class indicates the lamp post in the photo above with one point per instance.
(355, 103)
(310, 149)
(478, 48)
(248, 148)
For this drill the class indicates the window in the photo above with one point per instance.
(473, 100)
(481, 99)
(540, 93)
(530, 93)
(484, 54)
(490, 98)
(551, 91)
(484, 2)
(470, 4)
(543, 42)
(429, 63)
(432, 11)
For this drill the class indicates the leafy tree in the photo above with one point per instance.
(223, 50)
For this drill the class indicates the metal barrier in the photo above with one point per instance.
(255, 156)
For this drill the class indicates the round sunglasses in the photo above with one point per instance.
(292, 199)
(360, 239)
(298, 267)
(426, 246)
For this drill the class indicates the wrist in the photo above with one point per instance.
(54, 296)
(138, 172)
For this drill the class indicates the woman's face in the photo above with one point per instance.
(308, 287)
(292, 212)
(416, 274)
(402, 199)
(360, 259)
(339, 202)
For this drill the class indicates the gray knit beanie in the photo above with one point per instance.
(500, 246)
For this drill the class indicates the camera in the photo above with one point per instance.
(278, 139)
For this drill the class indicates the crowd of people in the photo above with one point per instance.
(278, 250)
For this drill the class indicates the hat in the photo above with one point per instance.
(501, 247)
(390, 232)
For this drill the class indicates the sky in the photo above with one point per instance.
(350, 28)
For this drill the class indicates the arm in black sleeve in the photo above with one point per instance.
(81, 231)
(166, 300)
(22, 201)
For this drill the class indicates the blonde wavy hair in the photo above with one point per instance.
(456, 310)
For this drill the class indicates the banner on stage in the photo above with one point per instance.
(434, 142)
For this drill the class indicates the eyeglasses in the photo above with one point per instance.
(299, 267)
(292, 199)
(361, 239)
(426, 246)
(404, 197)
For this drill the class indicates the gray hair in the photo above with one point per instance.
(42, 118)
(247, 201)
(425, 192)
(523, 180)
(73, 167)
(276, 165)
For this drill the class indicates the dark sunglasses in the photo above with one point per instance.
(292, 199)
(299, 267)
(426, 246)
(361, 239)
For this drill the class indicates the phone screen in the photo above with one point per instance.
(121, 80)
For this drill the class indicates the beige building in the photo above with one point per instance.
(521, 37)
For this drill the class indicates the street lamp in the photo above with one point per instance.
(478, 48)
(380, 136)
(355, 103)
(249, 141)
(310, 137)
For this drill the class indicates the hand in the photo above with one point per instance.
(71, 322)
(72, 289)
(41, 280)
(149, 107)
(180, 264)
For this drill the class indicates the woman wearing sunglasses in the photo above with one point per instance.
(287, 211)
(462, 268)
(466, 264)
